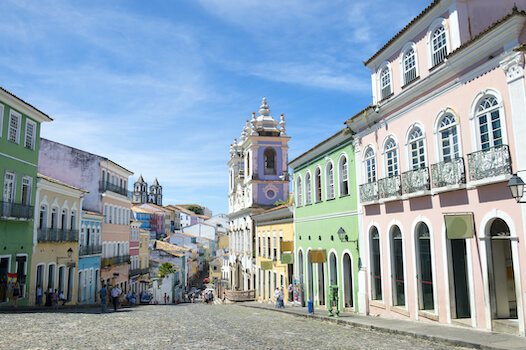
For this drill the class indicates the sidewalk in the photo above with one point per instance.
(452, 335)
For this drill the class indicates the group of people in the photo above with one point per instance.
(115, 293)
(52, 297)
(278, 296)
(208, 296)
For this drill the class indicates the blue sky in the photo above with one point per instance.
(164, 87)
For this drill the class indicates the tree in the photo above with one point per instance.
(196, 209)
(165, 270)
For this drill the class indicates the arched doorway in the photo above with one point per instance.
(310, 280)
(333, 269)
(348, 299)
(424, 268)
(502, 277)
(300, 274)
(321, 284)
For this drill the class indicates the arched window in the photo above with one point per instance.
(317, 179)
(270, 161)
(489, 123)
(329, 173)
(391, 158)
(385, 83)
(299, 196)
(449, 143)
(409, 65)
(344, 176)
(308, 189)
(425, 272)
(438, 45)
(370, 165)
(376, 272)
(397, 256)
(416, 147)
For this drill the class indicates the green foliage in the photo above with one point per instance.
(279, 202)
(165, 270)
(196, 209)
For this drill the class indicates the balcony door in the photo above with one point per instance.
(9, 192)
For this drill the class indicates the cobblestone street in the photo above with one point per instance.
(188, 326)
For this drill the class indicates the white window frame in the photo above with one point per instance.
(403, 55)
(396, 159)
(30, 189)
(1, 118)
(438, 133)
(299, 194)
(317, 170)
(475, 122)
(17, 115)
(32, 139)
(385, 67)
(439, 22)
(343, 175)
(11, 197)
(370, 176)
(330, 183)
(308, 188)
(409, 142)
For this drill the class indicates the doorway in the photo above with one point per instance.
(321, 284)
(347, 281)
(461, 300)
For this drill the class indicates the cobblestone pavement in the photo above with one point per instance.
(188, 326)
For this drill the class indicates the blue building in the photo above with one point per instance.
(90, 249)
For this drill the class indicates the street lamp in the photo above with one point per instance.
(516, 186)
(70, 252)
(344, 238)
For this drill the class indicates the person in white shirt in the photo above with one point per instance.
(115, 292)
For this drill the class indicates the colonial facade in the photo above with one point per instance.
(19, 147)
(107, 184)
(56, 252)
(442, 235)
(90, 249)
(257, 179)
(274, 251)
(326, 223)
(141, 195)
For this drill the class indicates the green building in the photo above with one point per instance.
(327, 223)
(19, 144)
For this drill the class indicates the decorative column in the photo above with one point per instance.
(513, 66)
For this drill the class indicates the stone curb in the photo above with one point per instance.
(434, 338)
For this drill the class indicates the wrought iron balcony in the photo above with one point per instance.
(135, 272)
(448, 173)
(145, 271)
(490, 162)
(46, 235)
(90, 250)
(415, 180)
(116, 260)
(369, 192)
(390, 187)
(108, 186)
(17, 211)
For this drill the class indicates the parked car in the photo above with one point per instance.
(145, 298)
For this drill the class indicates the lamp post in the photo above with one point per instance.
(70, 252)
(344, 238)
(516, 186)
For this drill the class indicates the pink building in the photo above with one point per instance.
(443, 238)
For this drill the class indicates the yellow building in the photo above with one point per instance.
(54, 263)
(274, 246)
(144, 261)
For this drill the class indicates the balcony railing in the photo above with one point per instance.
(389, 187)
(116, 260)
(369, 192)
(18, 211)
(135, 272)
(448, 173)
(415, 180)
(90, 250)
(108, 186)
(490, 162)
(145, 270)
(45, 235)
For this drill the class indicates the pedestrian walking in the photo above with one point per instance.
(280, 298)
(103, 292)
(276, 297)
(39, 295)
(165, 298)
(115, 293)
(61, 298)
(16, 294)
(55, 299)
(291, 292)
